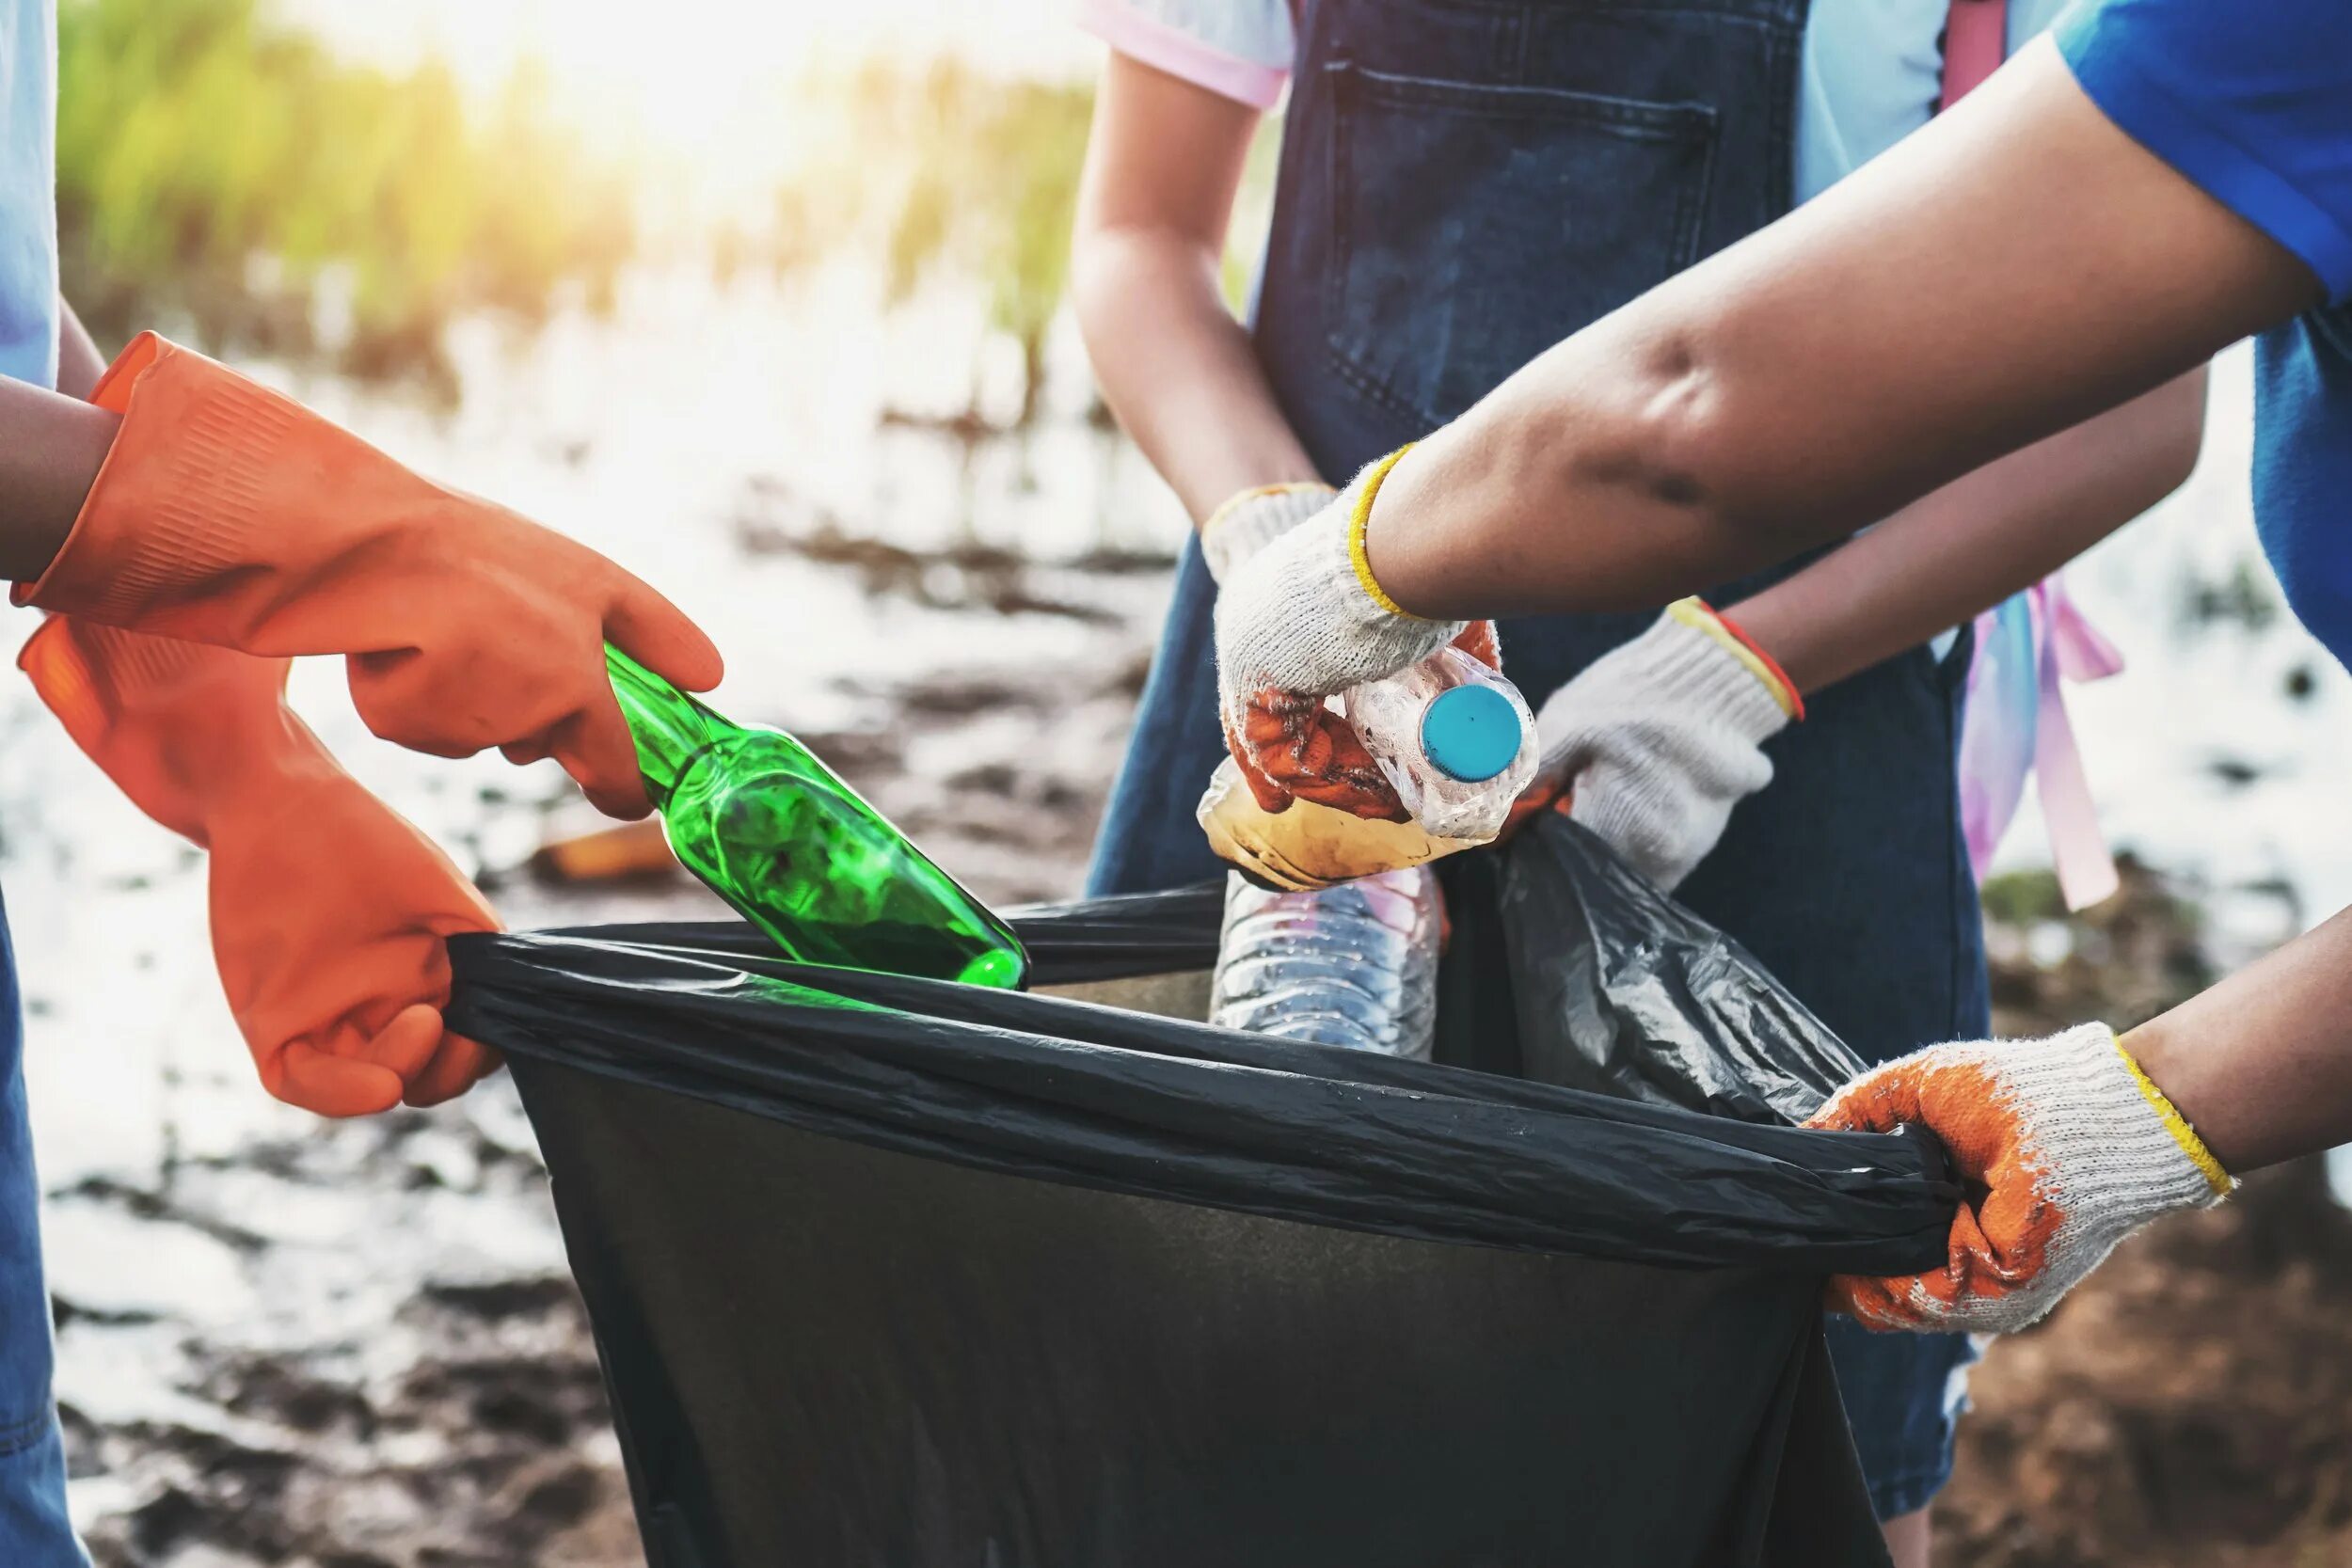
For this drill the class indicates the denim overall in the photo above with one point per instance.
(33, 1528)
(1462, 184)
(34, 1531)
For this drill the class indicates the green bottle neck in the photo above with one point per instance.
(671, 728)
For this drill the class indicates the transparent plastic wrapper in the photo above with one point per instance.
(885, 1269)
(1453, 737)
(1354, 966)
(1308, 846)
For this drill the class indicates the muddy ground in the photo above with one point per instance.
(2191, 1404)
(437, 1405)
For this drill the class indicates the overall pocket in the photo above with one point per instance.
(1475, 226)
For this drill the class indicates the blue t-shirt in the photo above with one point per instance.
(29, 196)
(2253, 102)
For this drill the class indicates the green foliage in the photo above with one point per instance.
(2021, 897)
(941, 171)
(214, 167)
(224, 173)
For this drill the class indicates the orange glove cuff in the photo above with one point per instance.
(229, 515)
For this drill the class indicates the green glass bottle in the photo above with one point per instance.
(753, 813)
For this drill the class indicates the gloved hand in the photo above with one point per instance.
(2072, 1149)
(1302, 618)
(329, 911)
(1249, 522)
(226, 513)
(1658, 740)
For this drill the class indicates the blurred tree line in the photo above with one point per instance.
(938, 174)
(227, 173)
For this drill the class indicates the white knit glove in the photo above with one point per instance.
(1304, 615)
(1660, 739)
(1250, 521)
(2073, 1147)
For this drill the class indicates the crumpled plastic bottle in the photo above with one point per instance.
(1453, 737)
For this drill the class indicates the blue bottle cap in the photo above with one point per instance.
(1469, 732)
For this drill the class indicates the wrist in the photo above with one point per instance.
(1250, 520)
(1696, 664)
(2173, 1071)
(1734, 639)
(2134, 1141)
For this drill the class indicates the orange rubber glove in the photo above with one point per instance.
(2066, 1148)
(328, 910)
(1291, 747)
(226, 513)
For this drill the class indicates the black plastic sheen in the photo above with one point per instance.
(894, 1272)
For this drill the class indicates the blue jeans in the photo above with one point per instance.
(34, 1530)
(1461, 186)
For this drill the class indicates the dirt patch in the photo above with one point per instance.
(2191, 1403)
(491, 1451)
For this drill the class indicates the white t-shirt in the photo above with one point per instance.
(1871, 70)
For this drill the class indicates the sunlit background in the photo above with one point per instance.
(767, 301)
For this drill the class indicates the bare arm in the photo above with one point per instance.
(1952, 555)
(2015, 267)
(79, 363)
(1162, 166)
(2261, 1065)
(51, 447)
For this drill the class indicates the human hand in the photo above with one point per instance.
(329, 912)
(2066, 1146)
(226, 513)
(1660, 739)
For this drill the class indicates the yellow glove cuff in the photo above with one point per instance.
(2177, 1124)
(1359, 518)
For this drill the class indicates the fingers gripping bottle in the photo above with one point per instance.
(1354, 965)
(1453, 737)
(774, 833)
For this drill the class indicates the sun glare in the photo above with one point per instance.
(697, 92)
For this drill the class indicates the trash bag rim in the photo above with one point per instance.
(1399, 1147)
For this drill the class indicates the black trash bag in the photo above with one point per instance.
(1622, 990)
(894, 1272)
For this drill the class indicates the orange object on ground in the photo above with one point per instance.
(1293, 748)
(609, 855)
(328, 910)
(229, 515)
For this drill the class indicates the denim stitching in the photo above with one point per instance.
(16, 1437)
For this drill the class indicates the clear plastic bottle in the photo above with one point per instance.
(1354, 965)
(1455, 738)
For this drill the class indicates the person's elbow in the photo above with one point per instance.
(1121, 273)
(1689, 440)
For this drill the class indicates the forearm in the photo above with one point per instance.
(2016, 267)
(1954, 554)
(51, 447)
(2261, 1064)
(1162, 162)
(79, 363)
(1178, 370)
